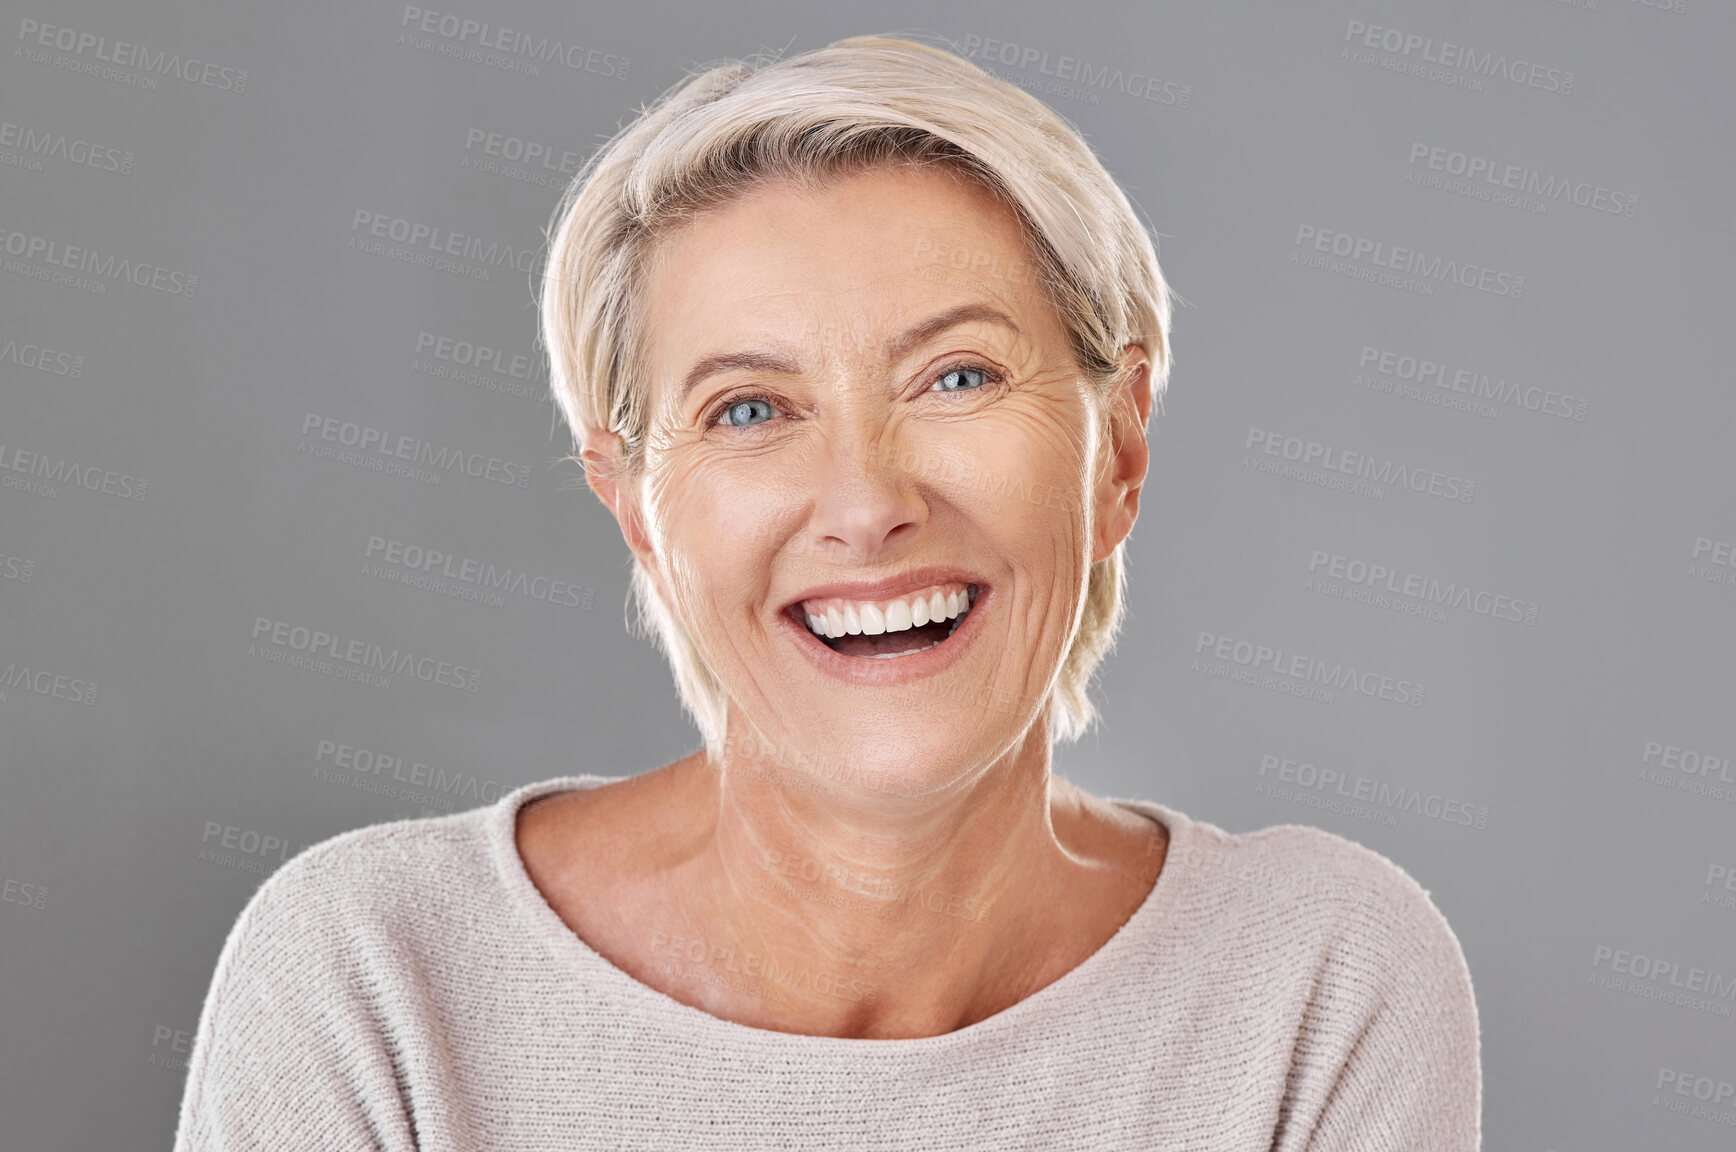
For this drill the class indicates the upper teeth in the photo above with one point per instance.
(832, 616)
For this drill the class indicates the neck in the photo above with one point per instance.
(931, 907)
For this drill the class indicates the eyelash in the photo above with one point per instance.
(990, 376)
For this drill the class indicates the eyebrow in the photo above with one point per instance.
(896, 349)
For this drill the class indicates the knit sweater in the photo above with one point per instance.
(405, 986)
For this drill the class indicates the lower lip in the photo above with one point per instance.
(892, 670)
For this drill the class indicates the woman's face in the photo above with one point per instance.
(865, 386)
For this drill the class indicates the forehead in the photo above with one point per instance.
(852, 257)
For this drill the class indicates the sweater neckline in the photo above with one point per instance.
(1149, 922)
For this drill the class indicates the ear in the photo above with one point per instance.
(1126, 455)
(603, 456)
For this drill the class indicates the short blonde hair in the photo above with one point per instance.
(857, 103)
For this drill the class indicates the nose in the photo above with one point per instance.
(866, 498)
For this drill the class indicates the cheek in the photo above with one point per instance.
(718, 527)
(1025, 465)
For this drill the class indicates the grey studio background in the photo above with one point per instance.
(1438, 549)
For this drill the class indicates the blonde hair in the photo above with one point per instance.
(857, 103)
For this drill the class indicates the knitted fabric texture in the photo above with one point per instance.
(405, 986)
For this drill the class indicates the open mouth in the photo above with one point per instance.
(874, 632)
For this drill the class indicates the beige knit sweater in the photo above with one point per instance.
(405, 986)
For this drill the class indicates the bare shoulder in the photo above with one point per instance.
(595, 854)
(566, 835)
(1101, 829)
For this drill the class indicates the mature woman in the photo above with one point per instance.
(860, 348)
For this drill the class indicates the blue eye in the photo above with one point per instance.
(951, 380)
(748, 411)
(745, 409)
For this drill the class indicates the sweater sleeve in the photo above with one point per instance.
(289, 1054)
(1411, 1078)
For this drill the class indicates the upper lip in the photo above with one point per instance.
(891, 587)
